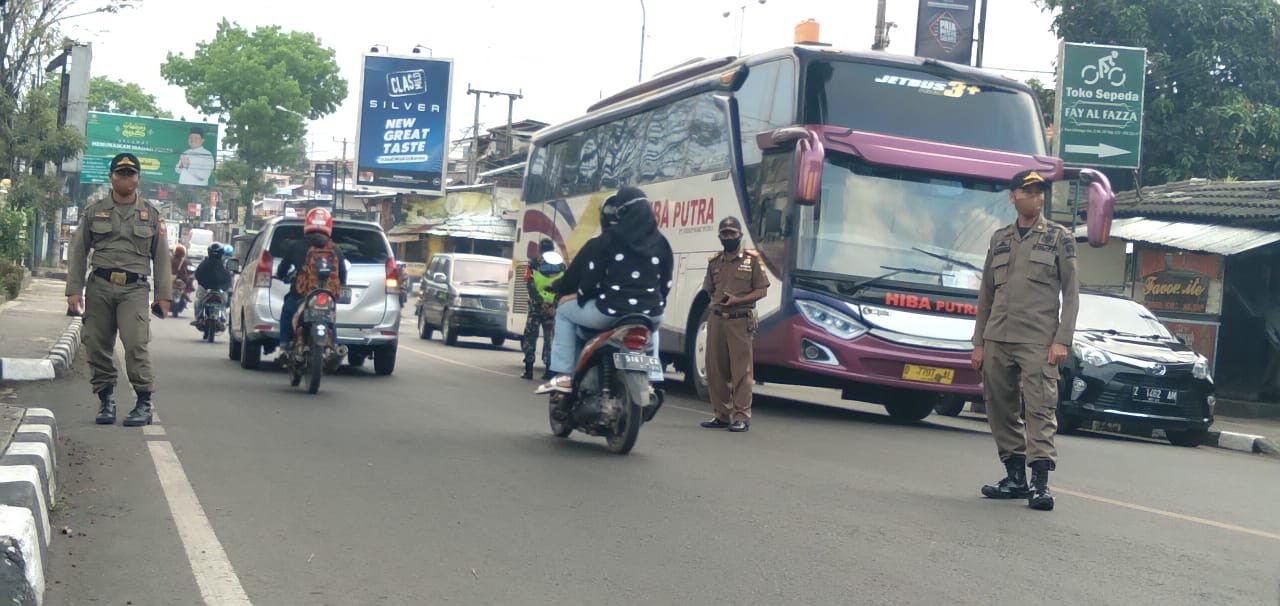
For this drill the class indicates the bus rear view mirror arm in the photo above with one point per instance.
(809, 153)
(1100, 204)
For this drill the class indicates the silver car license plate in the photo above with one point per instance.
(636, 361)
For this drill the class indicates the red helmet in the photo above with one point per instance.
(318, 220)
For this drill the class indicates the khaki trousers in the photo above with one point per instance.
(1021, 390)
(109, 308)
(729, 366)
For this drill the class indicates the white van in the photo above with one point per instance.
(198, 243)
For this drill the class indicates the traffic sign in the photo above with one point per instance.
(1099, 105)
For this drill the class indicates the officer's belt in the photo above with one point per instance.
(119, 276)
(732, 315)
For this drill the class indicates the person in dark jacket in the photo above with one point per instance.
(317, 234)
(625, 270)
(212, 274)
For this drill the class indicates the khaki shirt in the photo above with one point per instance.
(737, 274)
(1022, 279)
(128, 237)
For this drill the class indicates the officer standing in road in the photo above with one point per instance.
(1022, 335)
(129, 250)
(541, 317)
(735, 281)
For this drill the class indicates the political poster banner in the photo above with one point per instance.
(170, 151)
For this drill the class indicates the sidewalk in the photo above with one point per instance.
(40, 340)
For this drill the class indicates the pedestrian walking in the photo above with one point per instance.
(130, 258)
(1027, 306)
(541, 315)
(735, 280)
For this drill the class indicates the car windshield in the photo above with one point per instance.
(357, 245)
(872, 220)
(480, 272)
(1118, 316)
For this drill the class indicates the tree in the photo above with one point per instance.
(118, 97)
(243, 77)
(1212, 99)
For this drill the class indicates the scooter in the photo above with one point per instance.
(313, 336)
(612, 395)
(178, 299)
(213, 314)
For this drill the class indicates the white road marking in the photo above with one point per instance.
(455, 362)
(217, 580)
(152, 430)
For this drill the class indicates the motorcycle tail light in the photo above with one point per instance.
(393, 276)
(636, 338)
(262, 275)
(322, 299)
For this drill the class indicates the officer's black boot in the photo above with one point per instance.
(1040, 497)
(528, 371)
(1014, 484)
(106, 408)
(141, 413)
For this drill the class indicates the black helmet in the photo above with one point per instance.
(614, 206)
(215, 250)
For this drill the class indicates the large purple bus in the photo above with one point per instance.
(869, 183)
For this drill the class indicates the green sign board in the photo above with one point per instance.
(170, 151)
(1099, 105)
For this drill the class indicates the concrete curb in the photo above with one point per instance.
(28, 489)
(52, 366)
(1243, 442)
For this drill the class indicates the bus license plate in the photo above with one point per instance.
(928, 374)
(635, 361)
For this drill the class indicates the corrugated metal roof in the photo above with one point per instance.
(477, 227)
(1237, 201)
(1218, 239)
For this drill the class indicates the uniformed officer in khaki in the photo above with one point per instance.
(130, 259)
(1022, 335)
(735, 280)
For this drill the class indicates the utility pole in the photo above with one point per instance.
(474, 165)
(982, 31)
(342, 189)
(882, 29)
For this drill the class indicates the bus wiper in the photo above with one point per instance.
(964, 264)
(893, 271)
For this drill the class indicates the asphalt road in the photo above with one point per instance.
(442, 484)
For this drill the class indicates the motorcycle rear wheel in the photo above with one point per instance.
(559, 429)
(315, 367)
(295, 371)
(624, 439)
(209, 332)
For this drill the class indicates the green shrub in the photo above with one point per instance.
(10, 278)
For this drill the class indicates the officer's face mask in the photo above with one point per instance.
(730, 241)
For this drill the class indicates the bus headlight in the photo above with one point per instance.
(835, 323)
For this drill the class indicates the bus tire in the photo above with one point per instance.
(910, 405)
(695, 354)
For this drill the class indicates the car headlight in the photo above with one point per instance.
(469, 302)
(835, 323)
(1092, 355)
(1201, 368)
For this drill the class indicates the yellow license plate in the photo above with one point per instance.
(928, 374)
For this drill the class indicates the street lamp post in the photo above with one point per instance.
(643, 20)
(742, 22)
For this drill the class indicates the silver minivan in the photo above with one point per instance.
(368, 309)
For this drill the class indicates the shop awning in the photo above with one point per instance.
(402, 238)
(1217, 239)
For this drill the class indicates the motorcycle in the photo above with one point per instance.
(612, 395)
(313, 337)
(213, 314)
(178, 299)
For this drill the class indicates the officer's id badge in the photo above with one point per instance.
(102, 214)
(144, 215)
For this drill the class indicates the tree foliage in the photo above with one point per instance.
(31, 35)
(1212, 103)
(119, 97)
(243, 76)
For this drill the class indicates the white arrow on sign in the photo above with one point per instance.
(1101, 150)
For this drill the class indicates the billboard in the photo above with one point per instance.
(170, 151)
(323, 180)
(944, 30)
(404, 122)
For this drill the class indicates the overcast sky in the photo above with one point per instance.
(561, 54)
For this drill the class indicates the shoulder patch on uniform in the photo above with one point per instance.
(753, 252)
(713, 257)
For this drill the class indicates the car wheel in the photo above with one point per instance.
(497, 341)
(424, 329)
(233, 346)
(356, 359)
(695, 356)
(384, 360)
(949, 405)
(250, 352)
(1189, 438)
(910, 405)
(447, 330)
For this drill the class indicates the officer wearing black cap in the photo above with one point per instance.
(130, 259)
(735, 281)
(1021, 335)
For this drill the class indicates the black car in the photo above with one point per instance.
(1126, 368)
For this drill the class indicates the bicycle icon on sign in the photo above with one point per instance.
(1106, 68)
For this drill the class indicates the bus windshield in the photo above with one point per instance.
(931, 103)
(874, 219)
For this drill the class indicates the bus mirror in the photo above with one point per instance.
(1100, 207)
(809, 153)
